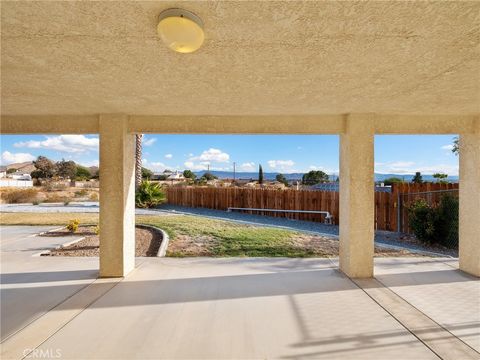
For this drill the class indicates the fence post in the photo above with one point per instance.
(399, 211)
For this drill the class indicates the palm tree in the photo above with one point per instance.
(138, 160)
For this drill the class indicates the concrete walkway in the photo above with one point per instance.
(255, 308)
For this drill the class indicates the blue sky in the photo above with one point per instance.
(403, 154)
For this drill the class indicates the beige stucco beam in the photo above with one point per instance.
(49, 124)
(281, 124)
(425, 124)
(247, 124)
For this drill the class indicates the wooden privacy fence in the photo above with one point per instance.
(386, 204)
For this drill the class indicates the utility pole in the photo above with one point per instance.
(234, 164)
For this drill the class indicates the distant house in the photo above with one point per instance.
(176, 175)
(19, 175)
(243, 182)
(164, 175)
(3, 172)
(275, 185)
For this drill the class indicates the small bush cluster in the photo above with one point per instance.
(57, 199)
(72, 225)
(149, 195)
(81, 193)
(435, 225)
(19, 196)
(49, 186)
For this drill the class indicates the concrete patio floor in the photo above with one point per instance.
(248, 308)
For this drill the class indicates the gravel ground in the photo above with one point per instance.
(385, 238)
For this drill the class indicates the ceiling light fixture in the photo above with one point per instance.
(180, 30)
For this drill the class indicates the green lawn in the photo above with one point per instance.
(224, 238)
(199, 236)
(194, 236)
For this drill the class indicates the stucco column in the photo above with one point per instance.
(357, 196)
(469, 226)
(117, 196)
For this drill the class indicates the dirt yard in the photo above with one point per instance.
(301, 245)
(36, 195)
(147, 243)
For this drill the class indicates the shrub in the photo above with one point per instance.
(72, 225)
(35, 202)
(149, 195)
(19, 196)
(422, 220)
(55, 198)
(66, 202)
(52, 186)
(435, 224)
(96, 229)
(80, 193)
(93, 196)
(446, 227)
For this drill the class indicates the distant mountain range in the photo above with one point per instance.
(298, 176)
(27, 167)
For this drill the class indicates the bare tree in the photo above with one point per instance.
(138, 160)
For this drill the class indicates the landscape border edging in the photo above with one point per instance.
(162, 250)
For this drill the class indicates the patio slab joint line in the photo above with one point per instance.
(86, 306)
(432, 320)
(433, 335)
(45, 312)
(23, 338)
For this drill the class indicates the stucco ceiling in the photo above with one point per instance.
(259, 57)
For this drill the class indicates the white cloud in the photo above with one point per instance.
(11, 158)
(401, 164)
(206, 158)
(157, 166)
(281, 165)
(447, 147)
(196, 166)
(168, 156)
(149, 142)
(410, 167)
(248, 166)
(89, 163)
(214, 155)
(154, 166)
(63, 143)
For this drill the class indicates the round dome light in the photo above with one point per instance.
(180, 30)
